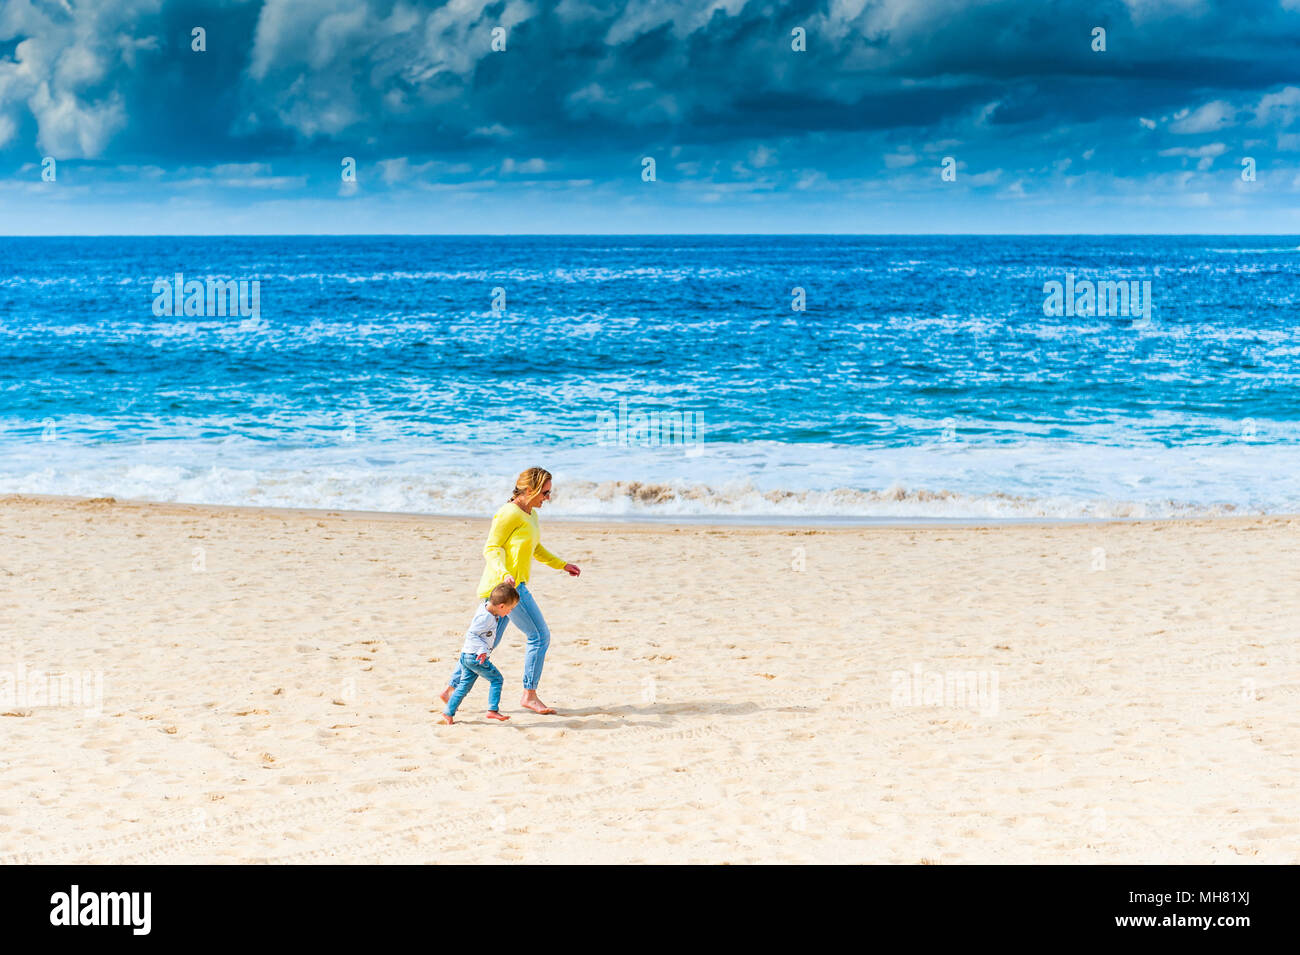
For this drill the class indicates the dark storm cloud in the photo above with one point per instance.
(586, 84)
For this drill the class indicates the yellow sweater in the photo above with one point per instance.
(511, 544)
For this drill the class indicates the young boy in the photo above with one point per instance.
(480, 641)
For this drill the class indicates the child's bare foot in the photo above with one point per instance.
(445, 695)
(446, 719)
(496, 715)
(531, 702)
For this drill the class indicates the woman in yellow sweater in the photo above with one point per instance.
(512, 543)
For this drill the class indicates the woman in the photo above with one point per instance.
(511, 545)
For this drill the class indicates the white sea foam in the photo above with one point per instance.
(1288, 249)
(954, 481)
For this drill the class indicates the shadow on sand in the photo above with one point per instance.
(665, 715)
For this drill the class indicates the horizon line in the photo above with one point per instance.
(628, 235)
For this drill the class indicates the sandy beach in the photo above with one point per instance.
(259, 686)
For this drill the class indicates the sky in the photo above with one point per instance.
(113, 121)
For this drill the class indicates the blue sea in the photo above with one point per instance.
(658, 377)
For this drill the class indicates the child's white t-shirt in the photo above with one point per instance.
(482, 632)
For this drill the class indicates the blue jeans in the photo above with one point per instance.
(471, 670)
(527, 616)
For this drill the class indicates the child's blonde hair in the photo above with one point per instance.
(530, 481)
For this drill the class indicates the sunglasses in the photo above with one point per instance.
(546, 494)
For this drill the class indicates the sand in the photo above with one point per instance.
(1071, 693)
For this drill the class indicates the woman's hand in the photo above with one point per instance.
(573, 570)
(507, 579)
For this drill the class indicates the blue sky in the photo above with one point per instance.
(747, 134)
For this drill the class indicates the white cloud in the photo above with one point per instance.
(941, 145)
(534, 165)
(69, 127)
(588, 101)
(811, 179)
(321, 61)
(1279, 108)
(1209, 151)
(249, 175)
(901, 159)
(1144, 11)
(1209, 118)
(55, 72)
(760, 157)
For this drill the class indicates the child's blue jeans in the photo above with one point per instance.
(471, 670)
(527, 616)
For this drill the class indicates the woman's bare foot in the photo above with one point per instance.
(446, 719)
(495, 715)
(531, 702)
(445, 695)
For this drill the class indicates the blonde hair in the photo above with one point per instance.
(530, 481)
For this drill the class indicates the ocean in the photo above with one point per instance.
(786, 378)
